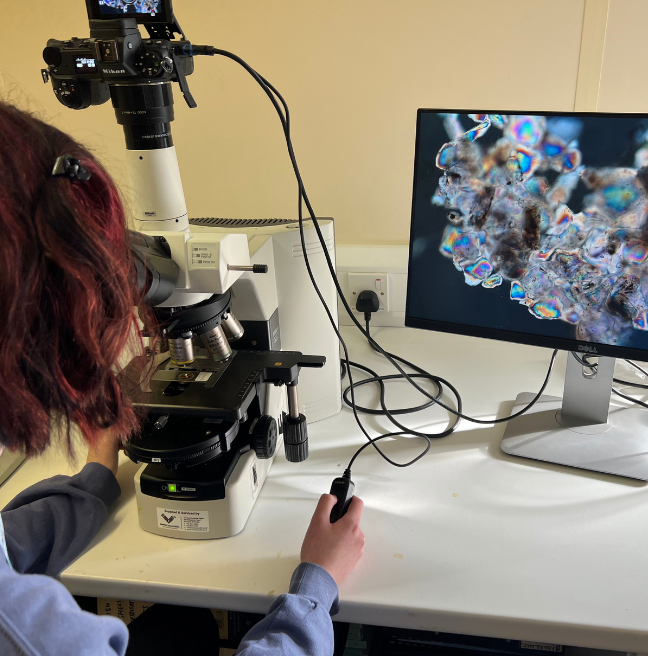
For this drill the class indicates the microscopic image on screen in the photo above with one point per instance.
(150, 7)
(533, 224)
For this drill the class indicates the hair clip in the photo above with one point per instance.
(71, 168)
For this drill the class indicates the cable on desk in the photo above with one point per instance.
(593, 365)
(282, 110)
(631, 384)
(380, 380)
(458, 413)
(375, 378)
(629, 398)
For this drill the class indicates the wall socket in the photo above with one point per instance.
(382, 269)
(375, 282)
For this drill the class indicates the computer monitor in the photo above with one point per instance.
(533, 228)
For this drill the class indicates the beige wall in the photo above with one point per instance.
(624, 73)
(354, 73)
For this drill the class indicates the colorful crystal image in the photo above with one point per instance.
(561, 229)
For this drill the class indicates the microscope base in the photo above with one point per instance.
(206, 519)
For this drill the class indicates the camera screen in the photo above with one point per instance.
(534, 224)
(85, 65)
(121, 7)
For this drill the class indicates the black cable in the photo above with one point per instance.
(284, 116)
(285, 120)
(459, 414)
(375, 378)
(636, 366)
(585, 363)
(380, 380)
(629, 383)
(422, 373)
(629, 398)
(593, 366)
(372, 443)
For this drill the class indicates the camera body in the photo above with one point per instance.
(82, 70)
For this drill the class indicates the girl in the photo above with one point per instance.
(67, 293)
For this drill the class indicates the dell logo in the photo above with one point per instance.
(587, 349)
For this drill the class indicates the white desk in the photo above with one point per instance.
(468, 540)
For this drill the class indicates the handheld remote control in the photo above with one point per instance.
(342, 488)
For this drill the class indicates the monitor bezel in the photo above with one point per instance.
(500, 334)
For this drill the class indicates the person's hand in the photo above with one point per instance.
(335, 547)
(105, 450)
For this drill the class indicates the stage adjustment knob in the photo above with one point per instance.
(295, 438)
(264, 434)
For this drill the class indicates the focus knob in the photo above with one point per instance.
(295, 438)
(264, 436)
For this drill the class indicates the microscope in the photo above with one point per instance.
(231, 296)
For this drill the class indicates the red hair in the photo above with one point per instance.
(66, 288)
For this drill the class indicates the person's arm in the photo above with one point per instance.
(299, 623)
(38, 616)
(49, 524)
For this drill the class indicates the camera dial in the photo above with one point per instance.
(150, 64)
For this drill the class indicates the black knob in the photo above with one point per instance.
(71, 94)
(259, 268)
(295, 438)
(52, 56)
(264, 436)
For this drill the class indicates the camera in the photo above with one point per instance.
(90, 71)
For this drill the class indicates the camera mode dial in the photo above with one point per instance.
(71, 93)
(150, 63)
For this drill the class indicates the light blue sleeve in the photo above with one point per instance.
(39, 617)
(298, 623)
(49, 524)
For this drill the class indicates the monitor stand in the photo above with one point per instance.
(581, 429)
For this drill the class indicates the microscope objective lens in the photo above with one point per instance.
(181, 350)
(232, 327)
(216, 343)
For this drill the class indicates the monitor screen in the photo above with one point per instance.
(532, 228)
(121, 7)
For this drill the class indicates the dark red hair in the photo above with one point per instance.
(66, 289)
